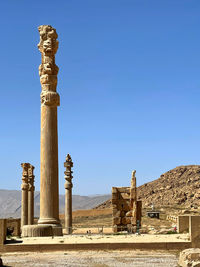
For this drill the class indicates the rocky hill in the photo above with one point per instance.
(179, 186)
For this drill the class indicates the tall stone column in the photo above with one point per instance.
(24, 200)
(31, 189)
(133, 198)
(49, 196)
(68, 164)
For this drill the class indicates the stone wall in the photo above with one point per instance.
(3, 231)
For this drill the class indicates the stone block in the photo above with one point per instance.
(114, 190)
(189, 257)
(183, 223)
(115, 196)
(116, 213)
(114, 201)
(123, 189)
(126, 220)
(3, 231)
(133, 221)
(129, 213)
(194, 230)
(114, 206)
(116, 220)
(123, 213)
(125, 196)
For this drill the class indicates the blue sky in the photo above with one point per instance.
(129, 83)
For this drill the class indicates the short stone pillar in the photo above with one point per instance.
(24, 200)
(194, 230)
(31, 189)
(68, 164)
(183, 223)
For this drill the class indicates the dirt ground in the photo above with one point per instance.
(98, 238)
(93, 259)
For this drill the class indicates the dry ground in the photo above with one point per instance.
(93, 259)
(103, 218)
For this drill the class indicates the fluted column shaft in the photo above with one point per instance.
(49, 206)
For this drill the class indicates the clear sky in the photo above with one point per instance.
(129, 84)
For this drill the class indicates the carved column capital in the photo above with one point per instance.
(25, 167)
(50, 98)
(68, 164)
(31, 177)
(48, 70)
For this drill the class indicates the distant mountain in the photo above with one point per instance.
(10, 203)
(179, 186)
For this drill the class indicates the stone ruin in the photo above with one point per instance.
(127, 211)
(27, 203)
(68, 164)
(48, 223)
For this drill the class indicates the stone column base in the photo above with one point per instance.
(41, 230)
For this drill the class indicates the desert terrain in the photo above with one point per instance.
(93, 259)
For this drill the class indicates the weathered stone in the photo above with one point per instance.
(133, 220)
(114, 201)
(68, 194)
(116, 196)
(129, 213)
(24, 199)
(126, 220)
(189, 257)
(3, 231)
(31, 189)
(125, 205)
(114, 190)
(116, 220)
(125, 196)
(123, 190)
(194, 230)
(116, 213)
(183, 223)
(49, 196)
(37, 230)
(122, 213)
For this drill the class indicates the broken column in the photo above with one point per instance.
(49, 196)
(24, 200)
(68, 164)
(31, 190)
(133, 199)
